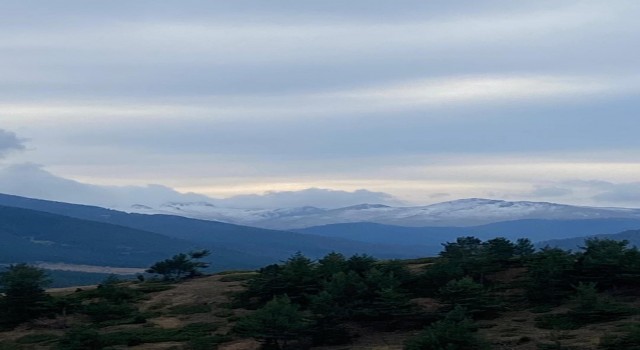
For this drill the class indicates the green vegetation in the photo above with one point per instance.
(111, 303)
(334, 290)
(629, 340)
(330, 292)
(455, 332)
(88, 338)
(303, 302)
(181, 265)
(24, 296)
(277, 323)
(586, 307)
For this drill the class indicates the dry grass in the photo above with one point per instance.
(513, 330)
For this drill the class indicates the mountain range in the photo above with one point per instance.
(234, 246)
(431, 238)
(33, 230)
(463, 212)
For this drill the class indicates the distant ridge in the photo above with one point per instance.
(534, 229)
(575, 243)
(237, 246)
(462, 212)
(29, 235)
(234, 246)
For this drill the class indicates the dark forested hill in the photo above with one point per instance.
(28, 235)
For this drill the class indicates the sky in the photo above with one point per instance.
(325, 103)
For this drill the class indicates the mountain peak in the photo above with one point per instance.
(461, 212)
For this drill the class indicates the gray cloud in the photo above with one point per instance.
(317, 197)
(589, 192)
(552, 191)
(9, 142)
(32, 180)
(616, 194)
(300, 92)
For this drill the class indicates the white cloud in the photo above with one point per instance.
(425, 95)
(224, 98)
(609, 192)
(477, 89)
(254, 38)
(549, 192)
(31, 180)
(317, 197)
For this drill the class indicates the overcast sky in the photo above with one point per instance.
(413, 101)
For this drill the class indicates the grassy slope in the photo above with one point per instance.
(207, 300)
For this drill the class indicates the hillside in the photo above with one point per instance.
(632, 236)
(235, 246)
(432, 237)
(31, 236)
(506, 309)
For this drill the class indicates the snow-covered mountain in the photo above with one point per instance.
(463, 212)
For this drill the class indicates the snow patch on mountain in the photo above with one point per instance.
(463, 212)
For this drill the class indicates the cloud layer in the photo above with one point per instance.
(31, 180)
(423, 100)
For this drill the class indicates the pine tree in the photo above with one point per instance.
(277, 323)
(24, 296)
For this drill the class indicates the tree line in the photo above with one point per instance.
(303, 302)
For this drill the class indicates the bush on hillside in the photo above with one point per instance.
(455, 332)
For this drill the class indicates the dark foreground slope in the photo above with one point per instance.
(498, 296)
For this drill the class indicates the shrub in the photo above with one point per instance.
(455, 332)
(278, 321)
(588, 307)
(181, 265)
(470, 295)
(158, 335)
(81, 339)
(591, 307)
(24, 297)
(549, 275)
(629, 340)
(105, 311)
